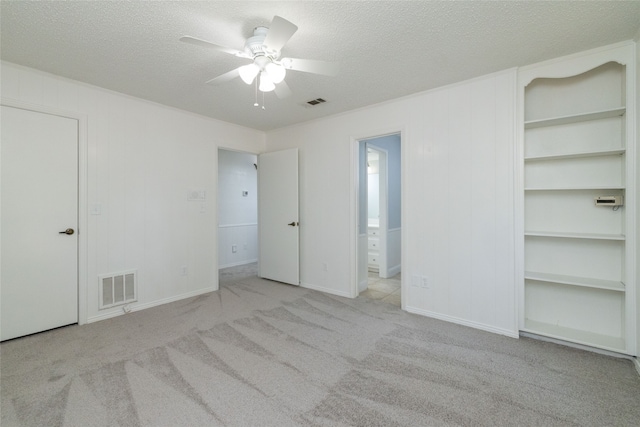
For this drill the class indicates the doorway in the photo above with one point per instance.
(237, 215)
(258, 224)
(379, 218)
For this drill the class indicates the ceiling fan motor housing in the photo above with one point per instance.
(254, 45)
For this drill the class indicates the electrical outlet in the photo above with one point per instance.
(234, 248)
(184, 271)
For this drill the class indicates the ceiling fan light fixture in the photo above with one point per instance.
(248, 72)
(266, 84)
(276, 72)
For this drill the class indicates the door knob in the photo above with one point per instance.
(68, 231)
(293, 224)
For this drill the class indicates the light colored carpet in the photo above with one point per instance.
(259, 353)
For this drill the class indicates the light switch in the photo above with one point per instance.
(196, 195)
(415, 281)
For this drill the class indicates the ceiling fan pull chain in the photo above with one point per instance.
(263, 100)
(255, 104)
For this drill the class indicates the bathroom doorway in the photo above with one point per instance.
(379, 231)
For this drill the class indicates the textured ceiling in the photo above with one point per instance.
(386, 49)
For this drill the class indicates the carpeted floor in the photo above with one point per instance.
(259, 353)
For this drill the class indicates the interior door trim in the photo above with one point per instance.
(83, 209)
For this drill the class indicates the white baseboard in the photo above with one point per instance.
(464, 322)
(363, 285)
(326, 290)
(393, 270)
(118, 311)
(236, 264)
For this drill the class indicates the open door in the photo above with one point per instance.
(278, 227)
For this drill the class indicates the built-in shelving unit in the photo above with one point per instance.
(578, 284)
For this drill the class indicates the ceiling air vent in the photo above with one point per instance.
(316, 101)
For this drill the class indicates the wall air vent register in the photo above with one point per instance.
(118, 289)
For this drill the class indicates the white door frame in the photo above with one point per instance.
(354, 209)
(83, 209)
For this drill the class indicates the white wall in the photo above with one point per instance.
(373, 197)
(457, 143)
(637, 39)
(143, 159)
(237, 214)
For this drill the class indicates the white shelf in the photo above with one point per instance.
(575, 118)
(575, 335)
(586, 282)
(593, 236)
(618, 152)
(593, 187)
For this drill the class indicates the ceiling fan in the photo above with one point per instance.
(267, 68)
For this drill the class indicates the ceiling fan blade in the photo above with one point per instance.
(311, 66)
(280, 31)
(223, 78)
(282, 90)
(199, 42)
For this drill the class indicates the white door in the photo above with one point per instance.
(278, 228)
(39, 183)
